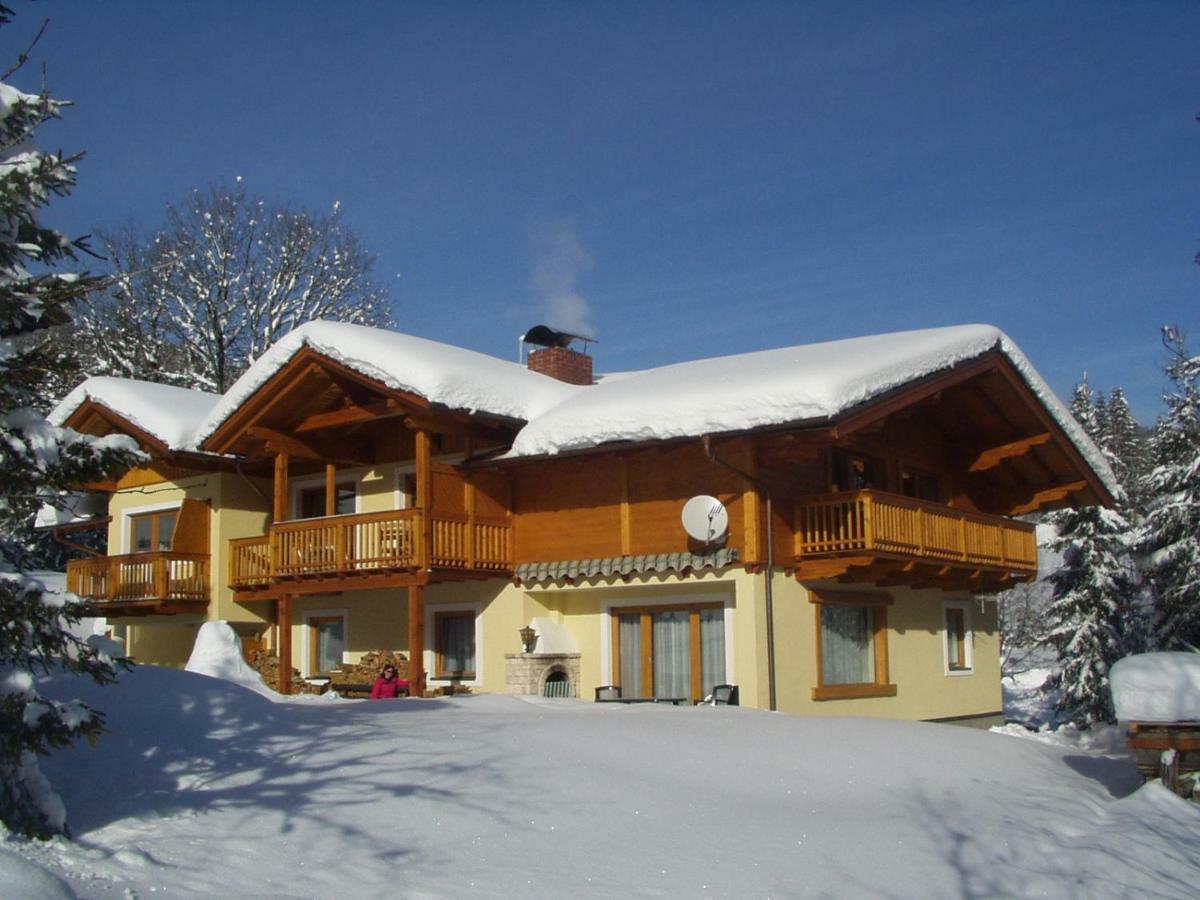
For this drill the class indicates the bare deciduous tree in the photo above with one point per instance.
(229, 274)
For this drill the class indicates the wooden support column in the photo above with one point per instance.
(330, 489)
(283, 619)
(626, 515)
(416, 640)
(425, 495)
(280, 511)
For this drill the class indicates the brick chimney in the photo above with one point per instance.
(562, 363)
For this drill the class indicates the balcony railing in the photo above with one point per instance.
(366, 543)
(138, 577)
(866, 522)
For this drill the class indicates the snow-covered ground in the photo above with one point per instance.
(205, 788)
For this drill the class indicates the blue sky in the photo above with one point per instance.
(692, 179)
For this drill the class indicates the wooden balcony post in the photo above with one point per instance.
(962, 534)
(416, 640)
(425, 495)
(280, 511)
(330, 489)
(283, 620)
(469, 502)
(160, 576)
(113, 578)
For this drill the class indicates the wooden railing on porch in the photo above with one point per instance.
(166, 575)
(366, 542)
(869, 521)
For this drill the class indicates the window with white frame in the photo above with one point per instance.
(959, 640)
(326, 642)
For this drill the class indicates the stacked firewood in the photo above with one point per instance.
(367, 669)
(267, 665)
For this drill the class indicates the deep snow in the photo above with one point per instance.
(204, 789)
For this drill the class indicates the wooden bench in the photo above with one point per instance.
(1165, 750)
(352, 688)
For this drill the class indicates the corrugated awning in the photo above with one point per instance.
(626, 565)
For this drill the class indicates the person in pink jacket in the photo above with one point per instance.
(388, 685)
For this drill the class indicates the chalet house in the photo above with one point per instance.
(360, 489)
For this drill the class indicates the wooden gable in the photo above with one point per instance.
(1005, 451)
(316, 408)
(99, 421)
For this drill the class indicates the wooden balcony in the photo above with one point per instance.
(370, 544)
(164, 582)
(904, 540)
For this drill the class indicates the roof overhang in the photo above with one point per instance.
(313, 392)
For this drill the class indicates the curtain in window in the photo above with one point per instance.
(331, 643)
(631, 655)
(458, 648)
(847, 654)
(672, 655)
(712, 649)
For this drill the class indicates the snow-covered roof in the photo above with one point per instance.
(72, 508)
(1157, 687)
(441, 373)
(168, 413)
(810, 382)
(774, 387)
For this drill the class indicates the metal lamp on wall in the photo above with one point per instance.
(528, 638)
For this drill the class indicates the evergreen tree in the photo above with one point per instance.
(36, 461)
(1125, 444)
(1170, 537)
(1094, 595)
(1083, 408)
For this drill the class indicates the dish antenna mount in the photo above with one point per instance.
(705, 519)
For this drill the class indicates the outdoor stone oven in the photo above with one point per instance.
(528, 673)
(551, 670)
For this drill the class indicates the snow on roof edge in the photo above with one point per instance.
(170, 414)
(1062, 415)
(442, 373)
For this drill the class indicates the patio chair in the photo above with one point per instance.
(725, 695)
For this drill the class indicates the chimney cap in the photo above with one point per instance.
(545, 336)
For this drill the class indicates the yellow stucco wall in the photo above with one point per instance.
(161, 643)
(236, 511)
(916, 651)
(375, 620)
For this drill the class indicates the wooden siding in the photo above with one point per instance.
(617, 505)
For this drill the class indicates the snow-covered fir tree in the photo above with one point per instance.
(36, 461)
(1126, 446)
(199, 300)
(1090, 616)
(1170, 537)
(1095, 616)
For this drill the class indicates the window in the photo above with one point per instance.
(311, 500)
(958, 639)
(853, 471)
(454, 644)
(406, 483)
(852, 655)
(327, 643)
(669, 651)
(920, 485)
(153, 531)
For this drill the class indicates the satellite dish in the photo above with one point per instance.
(705, 519)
